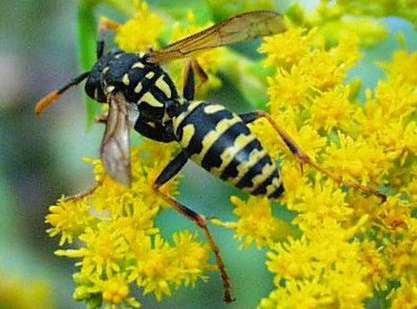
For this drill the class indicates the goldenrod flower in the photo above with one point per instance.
(405, 296)
(341, 245)
(256, 223)
(68, 219)
(142, 31)
(161, 267)
(119, 242)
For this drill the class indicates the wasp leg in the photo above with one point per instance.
(168, 173)
(79, 196)
(105, 26)
(202, 75)
(189, 82)
(303, 157)
(155, 130)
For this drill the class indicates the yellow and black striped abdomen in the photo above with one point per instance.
(220, 142)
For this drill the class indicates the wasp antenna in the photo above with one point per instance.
(46, 101)
(54, 96)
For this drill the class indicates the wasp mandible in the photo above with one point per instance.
(142, 95)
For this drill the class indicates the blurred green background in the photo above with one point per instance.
(40, 159)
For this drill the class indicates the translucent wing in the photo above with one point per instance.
(238, 28)
(115, 147)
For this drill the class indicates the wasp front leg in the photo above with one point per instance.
(79, 196)
(168, 173)
(304, 158)
(105, 26)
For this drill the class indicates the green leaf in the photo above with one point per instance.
(87, 34)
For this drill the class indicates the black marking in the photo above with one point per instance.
(170, 83)
(212, 157)
(149, 111)
(231, 171)
(137, 76)
(261, 189)
(158, 94)
(203, 125)
(277, 193)
(255, 170)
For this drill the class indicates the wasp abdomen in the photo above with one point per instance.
(221, 143)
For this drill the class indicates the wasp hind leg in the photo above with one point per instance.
(168, 173)
(302, 157)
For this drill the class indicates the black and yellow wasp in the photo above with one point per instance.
(142, 95)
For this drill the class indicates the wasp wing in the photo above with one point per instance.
(115, 147)
(238, 28)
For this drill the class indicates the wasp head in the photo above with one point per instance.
(94, 85)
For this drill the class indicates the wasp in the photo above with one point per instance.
(141, 95)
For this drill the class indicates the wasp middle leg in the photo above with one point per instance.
(302, 157)
(193, 67)
(168, 173)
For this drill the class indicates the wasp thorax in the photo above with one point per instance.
(113, 72)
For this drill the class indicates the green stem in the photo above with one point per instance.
(87, 34)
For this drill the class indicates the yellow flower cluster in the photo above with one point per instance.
(343, 246)
(142, 31)
(116, 241)
(334, 19)
(352, 244)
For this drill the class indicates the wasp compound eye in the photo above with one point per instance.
(94, 90)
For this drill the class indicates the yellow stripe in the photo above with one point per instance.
(150, 74)
(138, 87)
(109, 89)
(138, 65)
(213, 135)
(162, 84)
(178, 120)
(126, 80)
(267, 171)
(276, 182)
(151, 100)
(187, 134)
(245, 166)
(213, 108)
(230, 152)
